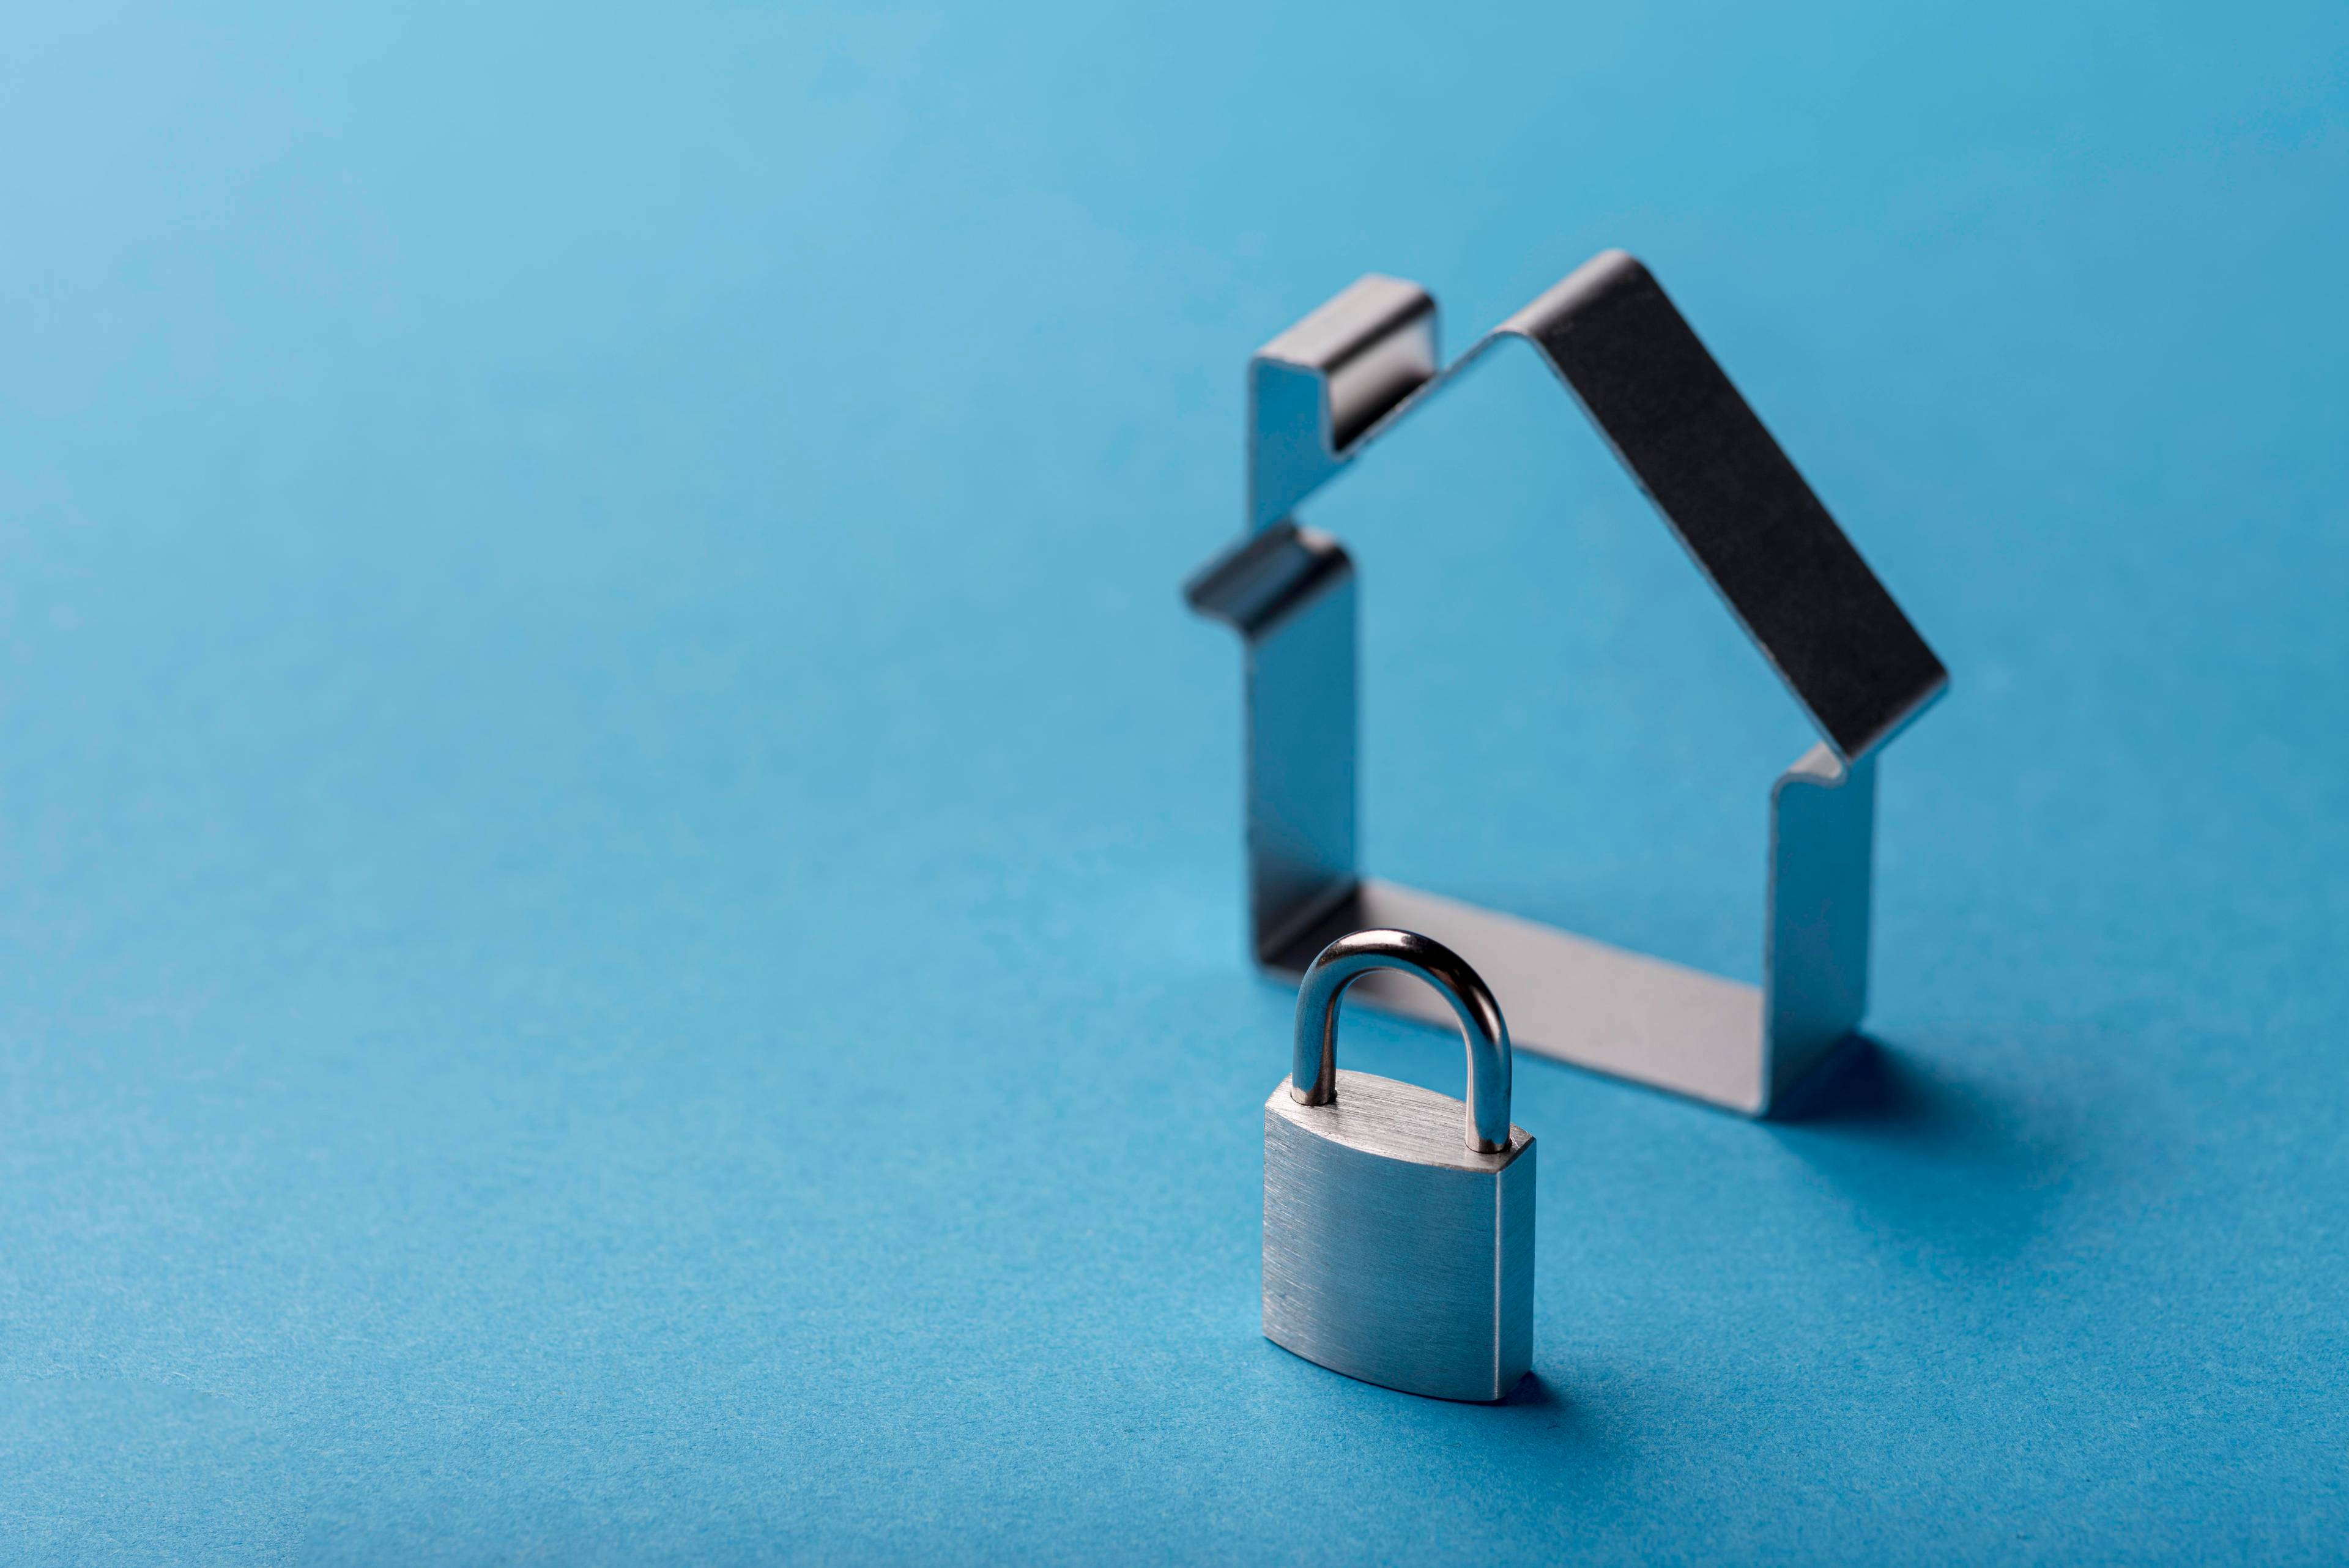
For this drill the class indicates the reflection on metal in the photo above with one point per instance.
(1325, 389)
(1312, 1074)
(1399, 1222)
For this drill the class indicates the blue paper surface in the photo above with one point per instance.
(620, 905)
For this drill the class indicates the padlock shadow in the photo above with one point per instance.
(1532, 1393)
(1548, 1420)
(1571, 1423)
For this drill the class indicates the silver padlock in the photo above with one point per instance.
(1395, 1250)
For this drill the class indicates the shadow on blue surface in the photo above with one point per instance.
(1940, 1144)
(1550, 1429)
(1859, 1083)
(1532, 1391)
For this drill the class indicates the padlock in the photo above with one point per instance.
(1395, 1250)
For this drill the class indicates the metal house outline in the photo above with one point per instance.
(1323, 392)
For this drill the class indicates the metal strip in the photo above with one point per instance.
(1319, 394)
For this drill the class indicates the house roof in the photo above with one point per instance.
(1362, 361)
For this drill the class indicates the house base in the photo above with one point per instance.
(1568, 998)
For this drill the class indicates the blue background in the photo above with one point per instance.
(620, 907)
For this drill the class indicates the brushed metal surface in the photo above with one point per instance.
(1568, 997)
(1319, 394)
(1291, 593)
(1393, 1252)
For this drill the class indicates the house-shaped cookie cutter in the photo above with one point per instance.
(1318, 395)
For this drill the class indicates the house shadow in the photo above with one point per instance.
(1934, 1144)
(1862, 1082)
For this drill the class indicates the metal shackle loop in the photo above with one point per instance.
(1313, 1075)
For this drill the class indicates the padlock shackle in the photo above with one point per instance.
(1313, 1073)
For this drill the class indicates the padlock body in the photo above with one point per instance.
(1393, 1252)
